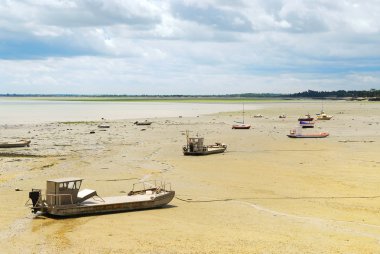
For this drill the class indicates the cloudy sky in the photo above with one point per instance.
(188, 46)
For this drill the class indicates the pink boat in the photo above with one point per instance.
(296, 133)
(241, 126)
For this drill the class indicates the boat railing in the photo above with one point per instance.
(153, 184)
(60, 196)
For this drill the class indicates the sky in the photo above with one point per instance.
(188, 46)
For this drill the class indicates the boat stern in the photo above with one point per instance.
(37, 204)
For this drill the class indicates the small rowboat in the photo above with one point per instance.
(20, 143)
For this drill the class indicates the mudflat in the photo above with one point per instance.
(266, 194)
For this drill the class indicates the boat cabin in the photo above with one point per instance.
(65, 191)
(195, 144)
(296, 131)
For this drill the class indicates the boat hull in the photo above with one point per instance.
(320, 135)
(14, 145)
(86, 208)
(241, 127)
(198, 153)
(324, 118)
(305, 119)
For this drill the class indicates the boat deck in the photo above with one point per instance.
(119, 199)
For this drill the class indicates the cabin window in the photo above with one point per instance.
(63, 186)
(70, 185)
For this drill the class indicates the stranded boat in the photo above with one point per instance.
(195, 146)
(103, 126)
(63, 198)
(20, 143)
(297, 133)
(242, 125)
(307, 124)
(143, 123)
(306, 118)
(323, 116)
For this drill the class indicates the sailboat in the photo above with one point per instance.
(241, 125)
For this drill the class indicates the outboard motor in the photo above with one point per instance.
(35, 196)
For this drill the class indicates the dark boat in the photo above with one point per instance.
(306, 118)
(143, 123)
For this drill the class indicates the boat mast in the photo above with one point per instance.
(243, 112)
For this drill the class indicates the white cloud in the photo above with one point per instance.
(189, 46)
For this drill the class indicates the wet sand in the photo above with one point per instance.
(266, 194)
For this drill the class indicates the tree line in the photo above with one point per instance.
(372, 93)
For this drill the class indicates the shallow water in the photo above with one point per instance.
(21, 111)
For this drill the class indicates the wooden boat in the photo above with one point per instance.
(195, 146)
(143, 123)
(20, 143)
(242, 125)
(306, 118)
(63, 198)
(307, 124)
(297, 133)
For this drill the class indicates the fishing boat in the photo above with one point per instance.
(242, 125)
(195, 146)
(297, 133)
(306, 118)
(20, 143)
(64, 198)
(323, 116)
(143, 123)
(307, 124)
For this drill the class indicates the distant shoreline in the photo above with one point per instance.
(364, 95)
(182, 99)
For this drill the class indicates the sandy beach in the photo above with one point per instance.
(266, 194)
